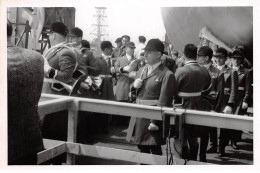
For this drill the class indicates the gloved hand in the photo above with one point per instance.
(84, 85)
(227, 110)
(244, 105)
(138, 83)
(153, 127)
(112, 70)
(132, 74)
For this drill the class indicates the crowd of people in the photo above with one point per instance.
(143, 74)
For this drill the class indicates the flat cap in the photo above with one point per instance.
(221, 52)
(130, 44)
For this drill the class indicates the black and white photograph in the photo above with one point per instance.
(130, 83)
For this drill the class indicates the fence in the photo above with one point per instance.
(54, 103)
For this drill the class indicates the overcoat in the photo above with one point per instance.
(159, 85)
(123, 80)
(24, 81)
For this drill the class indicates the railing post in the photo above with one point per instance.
(179, 145)
(72, 128)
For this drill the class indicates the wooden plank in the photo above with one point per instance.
(72, 128)
(119, 154)
(53, 149)
(54, 105)
(219, 120)
(130, 129)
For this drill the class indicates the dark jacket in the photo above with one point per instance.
(244, 89)
(107, 84)
(217, 86)
(24, 79)
(230, 88)
(192, 78)
(159, 85)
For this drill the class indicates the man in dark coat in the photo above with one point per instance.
(24, 80)
(204, 58)
(155, 86)
(191, 80)
(105, 63)
(244, 90)
(228, 98)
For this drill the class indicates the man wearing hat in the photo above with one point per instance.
(59, 64)
(244, 89)
(228, 98)
(155, 86)
(59, 60)
(204, 58)
(124, 79)
(191, 81)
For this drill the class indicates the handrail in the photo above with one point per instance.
(75, 104)
(195, 117)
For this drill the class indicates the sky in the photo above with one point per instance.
(132, 21)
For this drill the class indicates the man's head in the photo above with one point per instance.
(57, 33)
(142, 39)
(153, 51)
(204, 56)
(221, 56)
(118, 42)
(75, 36)
(106, 47)
(190, 52)
(130, 48)
(125, 39)
(237, 58)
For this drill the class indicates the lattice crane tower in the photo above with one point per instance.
(100, 28)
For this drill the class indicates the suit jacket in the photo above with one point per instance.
(123, 81)
(24, 79)
(107, 84)
(230, 88)
(192, 78)
(87, 58)
(244, 89)
(63, 59)
(159, 85)
(217, 85)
